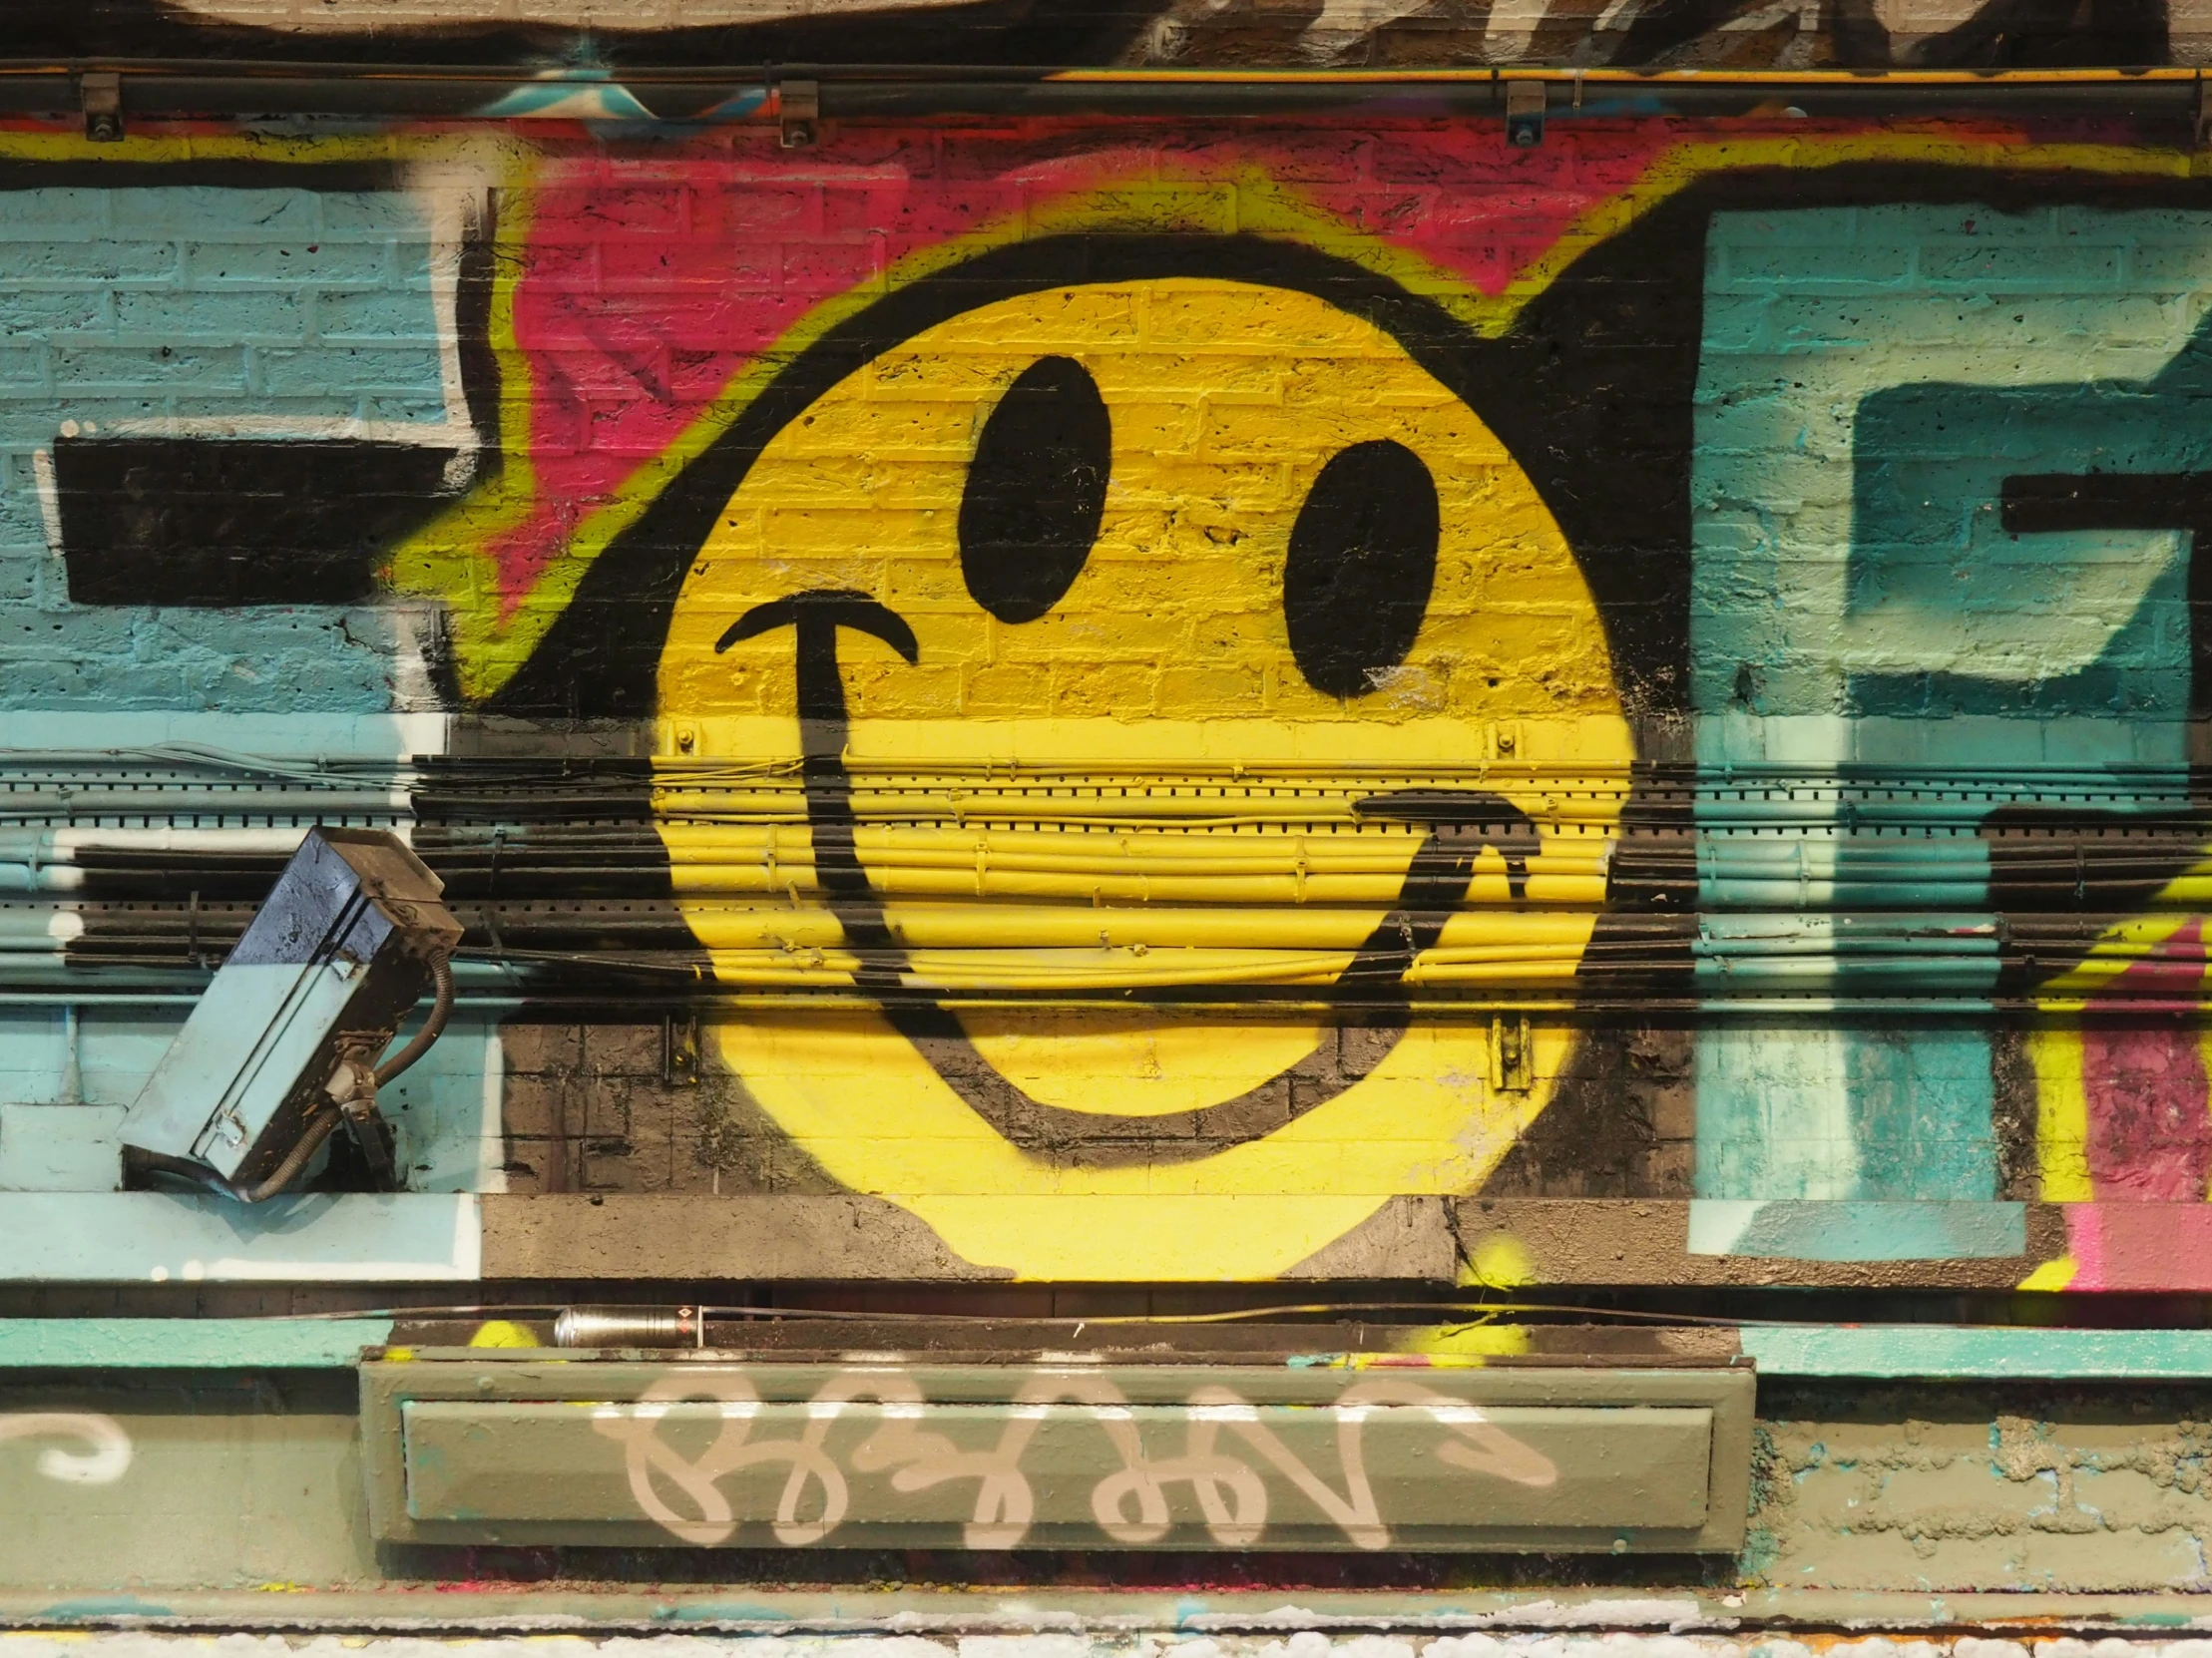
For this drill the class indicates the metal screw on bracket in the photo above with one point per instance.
(100, 94)
(799, 107)
(1524, 102)
(1512, 1055)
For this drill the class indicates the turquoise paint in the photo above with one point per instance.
(1938, 1351)
(160, 1237)
(57, 1126)
(722, 1612)
(197, 304)
(1910, 1230)
(189, 1344)
(1869, 378)
(99, 1610)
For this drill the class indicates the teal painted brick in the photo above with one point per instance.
(330, 674)
(81, 683)
(1837, 267)
(361, 369)
(65, 213)
(1983, 264)
(374, 216)
(378, 315)
(287, 263)
(160, 317)
(44, 315)
(201, 368)
(190, 211)
(75, 264)
(399, 405)
(138, 330)
(27, 636)
(24, 370)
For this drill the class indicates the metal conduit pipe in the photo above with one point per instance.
(441, 976)
(157, 88)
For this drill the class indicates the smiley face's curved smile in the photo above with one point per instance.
(1435, 881)
(1156, 640)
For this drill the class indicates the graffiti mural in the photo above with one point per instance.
(1200, 34)
(1138, 703)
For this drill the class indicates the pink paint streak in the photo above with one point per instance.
(2150, 1128)
(2140, 1246)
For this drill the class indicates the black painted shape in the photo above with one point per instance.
(221, 521)
(2032, 502)
(1465, 820)
(1035, 490)
(816, 616)
(2052, 34)
(1435, 882)
(1362, 562)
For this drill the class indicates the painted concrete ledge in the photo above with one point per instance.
(1316, 1622)
(189, 1344)
(1935, 1351)
(1515, 1243)
(1918, 1352)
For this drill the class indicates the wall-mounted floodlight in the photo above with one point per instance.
(285, 1043)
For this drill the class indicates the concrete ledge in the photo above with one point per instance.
(1730, 1621)
(187, 1343)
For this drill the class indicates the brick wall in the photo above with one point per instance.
(1363, 666)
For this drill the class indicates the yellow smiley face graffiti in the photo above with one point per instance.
(1142, 700)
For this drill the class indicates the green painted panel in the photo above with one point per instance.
(1068, 1475)
(883, 1454)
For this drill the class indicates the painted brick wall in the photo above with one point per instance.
(201, 308)
(1278, 679)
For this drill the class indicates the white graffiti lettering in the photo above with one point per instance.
(1130, 1503)
(108, 1461)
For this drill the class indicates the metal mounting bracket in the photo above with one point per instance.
(798, 107)
(99, 93)
(1525, 105)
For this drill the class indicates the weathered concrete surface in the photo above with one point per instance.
(171, 1478)
(130, 1493)
(2022, 1488)
(1290, 1642)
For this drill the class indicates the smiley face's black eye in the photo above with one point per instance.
(1035, 490)
(1363, 560)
